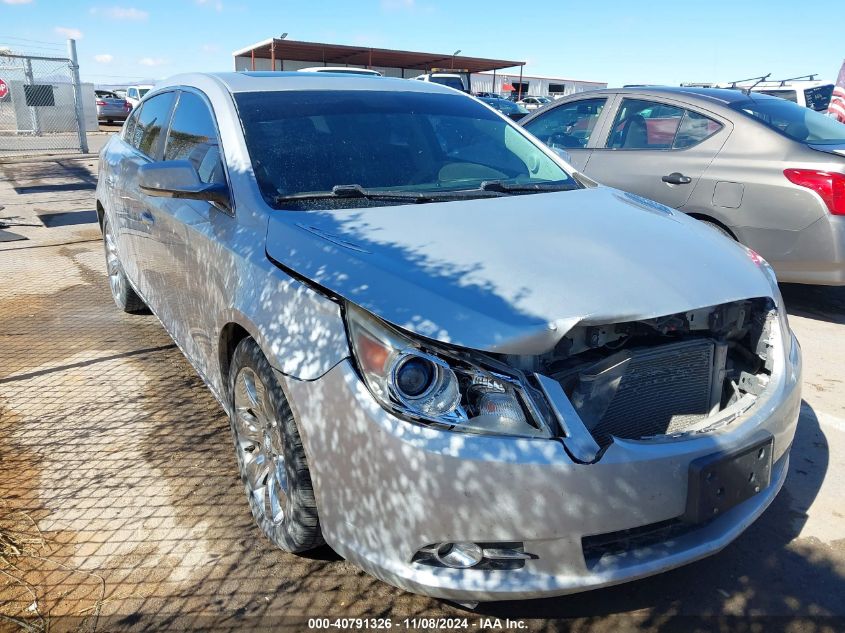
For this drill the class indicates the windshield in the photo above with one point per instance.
(794, 121)
(452, 82)
(313, 141)
(143, 91)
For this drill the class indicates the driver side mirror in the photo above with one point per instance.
(179, 179)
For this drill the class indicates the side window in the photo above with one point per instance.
(644, 125)
(694, 128)
(129, 126)
(132, 93)
(569, 125)
(193, 137)
(152, 122)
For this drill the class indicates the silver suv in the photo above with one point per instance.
(762, 170)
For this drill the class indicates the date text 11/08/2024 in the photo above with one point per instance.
(416, 623)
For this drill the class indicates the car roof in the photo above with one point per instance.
(267, 81)
(704, 97)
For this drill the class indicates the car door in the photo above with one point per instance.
(569, 126)
(137, 228)
(193, 266)
(656, 148)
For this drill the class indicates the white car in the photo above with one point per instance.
(813, 94)
(343, 70)
(134, 94)
(532, 103)
(451, 80)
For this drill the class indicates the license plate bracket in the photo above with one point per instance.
(720, 481)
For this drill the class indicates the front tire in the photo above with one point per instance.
(121, 291)
(271, 459)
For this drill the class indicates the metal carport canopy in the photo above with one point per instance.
(335, 54)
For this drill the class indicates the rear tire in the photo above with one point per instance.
(121, 291)
(271, 459)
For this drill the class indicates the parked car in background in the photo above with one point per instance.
(534, 102)
(469, 371)
(764, 171)
(110, 107)
(515, 111)
(120, 92)
(806, 91)
(134, 94)
(342, 70)
(813, 94)
(452, 80)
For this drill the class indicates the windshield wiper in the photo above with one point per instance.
(357, 191)
(502, 186)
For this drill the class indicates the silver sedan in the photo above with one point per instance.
(764, 171)
(475, 374)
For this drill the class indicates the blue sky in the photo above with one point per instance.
(617, 42)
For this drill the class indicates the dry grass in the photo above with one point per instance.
(24, 559)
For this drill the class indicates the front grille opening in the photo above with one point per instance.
(665, 376)
(599, 546)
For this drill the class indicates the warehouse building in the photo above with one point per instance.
(486, 75)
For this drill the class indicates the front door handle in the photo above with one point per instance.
(677, 178)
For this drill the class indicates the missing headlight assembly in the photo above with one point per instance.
(670, 375)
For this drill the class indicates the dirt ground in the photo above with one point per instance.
(121, 507)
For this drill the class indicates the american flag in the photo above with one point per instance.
(836, 109)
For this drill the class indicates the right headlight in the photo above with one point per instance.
(783, 320)
(431, 386)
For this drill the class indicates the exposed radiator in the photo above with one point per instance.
(650, 391)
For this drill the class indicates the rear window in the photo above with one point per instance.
(792, 120)
(789, 95)
(452, 82)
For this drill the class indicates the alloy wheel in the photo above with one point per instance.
(115, 272)
(259, 445)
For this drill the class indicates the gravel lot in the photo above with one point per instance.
(121, 507)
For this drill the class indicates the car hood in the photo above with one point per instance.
(514, 274)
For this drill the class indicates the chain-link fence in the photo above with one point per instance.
(43, 106)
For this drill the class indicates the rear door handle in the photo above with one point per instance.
(677, 178)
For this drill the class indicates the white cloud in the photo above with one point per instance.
(17, 1)
(396, 5)
(209, 48)
(74, 34)
(121, 13)
(152, 61)
(105, 58)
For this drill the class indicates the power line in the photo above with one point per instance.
(29, 47)
(23, 39)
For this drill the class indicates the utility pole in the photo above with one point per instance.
(34, 120)
(77, 96)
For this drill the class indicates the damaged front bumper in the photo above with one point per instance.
(387, 489)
